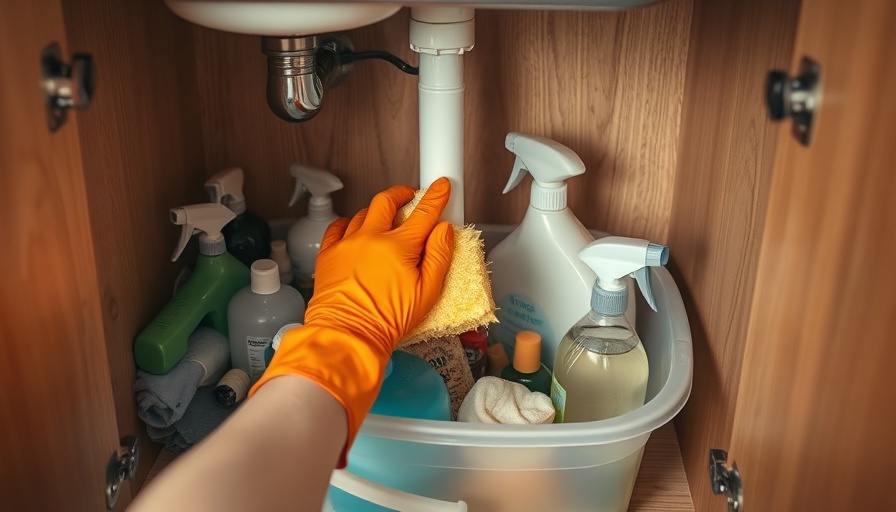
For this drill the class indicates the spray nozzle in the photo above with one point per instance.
(226, 187)
(317, 181)
(549, 163)
(208, 219)
(614, 257)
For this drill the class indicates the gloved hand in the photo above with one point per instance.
(372, 284)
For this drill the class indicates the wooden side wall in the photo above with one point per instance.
(720, 198)
(608, 85)
(142, 154)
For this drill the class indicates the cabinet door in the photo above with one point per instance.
(815, 427)
(57, 420)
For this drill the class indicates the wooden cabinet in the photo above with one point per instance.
(665, 106)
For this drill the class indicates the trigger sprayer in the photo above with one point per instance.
(613, 258)
(601, 367)
(206, 219)
(248, 236)
(305, 234)
(550, 164)
(216, 277)
(319, 183)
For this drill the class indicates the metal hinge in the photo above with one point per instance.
(726, 480)
(65, 86)
(122, 466)
(796, 97)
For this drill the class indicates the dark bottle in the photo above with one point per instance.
(248, 236)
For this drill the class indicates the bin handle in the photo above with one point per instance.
(391, 498)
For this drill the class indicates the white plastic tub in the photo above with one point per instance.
(587, 467)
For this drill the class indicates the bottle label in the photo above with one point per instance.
(257, 347)
(558, 396)
(518, 313)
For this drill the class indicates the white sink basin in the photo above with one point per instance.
(265, 18)
(305, 18)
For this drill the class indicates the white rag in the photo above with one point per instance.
(495, 400)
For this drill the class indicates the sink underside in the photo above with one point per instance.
(302, 18)
(281, 18)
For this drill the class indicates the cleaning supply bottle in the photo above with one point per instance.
(538, 282)
(526, 367)
(306, 233)
(411, 389)
(601, 367)
(256, 313)
(203, 298)
(248, 236)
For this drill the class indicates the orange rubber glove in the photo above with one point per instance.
(372, 285)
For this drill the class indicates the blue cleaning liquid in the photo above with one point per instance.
(411, 389)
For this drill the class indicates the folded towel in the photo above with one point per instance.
(495, 400)
(200, 419)
(163, 399)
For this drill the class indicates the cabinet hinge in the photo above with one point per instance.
(725, 480)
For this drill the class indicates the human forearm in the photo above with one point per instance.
(276, 453)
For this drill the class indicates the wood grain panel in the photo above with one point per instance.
(662, 484)
(58, 419)
(815, 403)
(143, 154)
(721, 191)
(608, 85)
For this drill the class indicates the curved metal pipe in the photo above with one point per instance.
(298, 70)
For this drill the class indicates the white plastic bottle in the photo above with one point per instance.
(601, 368)
(306, 233)
(538, 281)
(256, 313)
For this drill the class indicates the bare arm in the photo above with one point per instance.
(275, 453)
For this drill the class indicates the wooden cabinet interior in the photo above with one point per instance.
(663, 104)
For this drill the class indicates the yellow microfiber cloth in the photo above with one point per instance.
(466, 301)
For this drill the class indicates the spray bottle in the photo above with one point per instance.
(306, 233)
(538, 282)
(216, 277)
(248, 236)
(601, 368)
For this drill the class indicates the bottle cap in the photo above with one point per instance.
(232, 388)
(265, 277)
(527, 352)
(476, 337)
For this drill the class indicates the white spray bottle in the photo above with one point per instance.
(538, 282)
(305, 234)
(601, 368)
(248, 236)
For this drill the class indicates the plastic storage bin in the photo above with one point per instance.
(575, 467)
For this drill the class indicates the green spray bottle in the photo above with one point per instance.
(217, 276)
